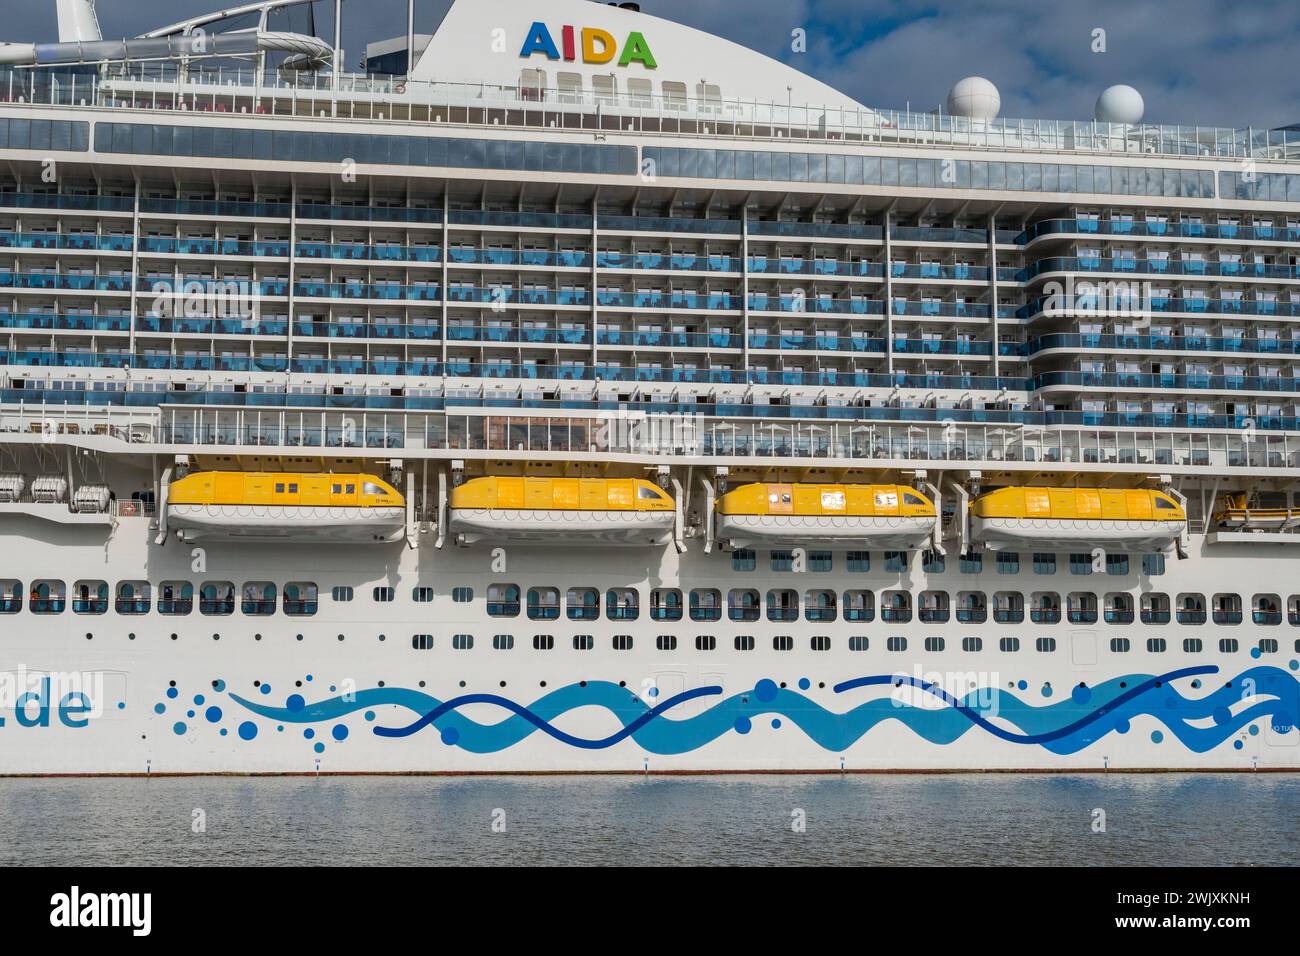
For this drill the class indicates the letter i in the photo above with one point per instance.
(570, 51)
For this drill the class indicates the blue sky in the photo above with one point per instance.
(1196, 62)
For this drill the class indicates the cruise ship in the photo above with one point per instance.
(575, 391)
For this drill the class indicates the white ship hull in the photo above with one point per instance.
(345, 691)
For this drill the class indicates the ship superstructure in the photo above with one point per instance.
(604, 395)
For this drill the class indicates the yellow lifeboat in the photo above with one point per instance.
(352, 508)
(1235, 513)
(1134, 520)
(561, 511)
(895, 517)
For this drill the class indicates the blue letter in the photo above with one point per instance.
(539, 41)
(74, 702)
(42, 700)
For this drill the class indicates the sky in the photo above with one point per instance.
(1196, 62)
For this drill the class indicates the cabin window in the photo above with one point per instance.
(1046, 645)
(1081, 564)
(859, 642)
(422, 595)
(932, 607)
(503, 642)
(1008, 607)
(859, 605)
(895, 561)
(90, 597)
(744, 559)
(583, 642)
(1157, 645)
(1153, 564)
(1010, 645)
(1119, 608)
(543, 604)
(819, 605)
(896, 607)
(422, 642)
(972, 644)
(582, 604)
(932, 562)
(300, 598)
(1268, 645)
(11, 596)
(896, 644)
(622, 642)
(782, 605)
(258, 599)
(783, 642)
(217, 598)
(1044, 564)
(666, 642)
(972, 563)
(462, 595)
(1266, 609)
(1191, 609)
(543, 642)
(820, 561)
(1228, 645)
(175, 598)
(1117, 564)
(1081, 607)
(934, 643)
(782, 560)
(1008, 562)
(1227, 609)
(972, 607)
(706, 642)
(462, 642)
(1120, 645)
(341, 594)
(819, 642)
(383, 595)
(48, 597)
(503, 600)
(744, 642)
(859, 562)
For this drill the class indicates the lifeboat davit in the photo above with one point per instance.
(893, 517)
(561, 511)
(1133, 520)
(1235, 513)
(348, 508)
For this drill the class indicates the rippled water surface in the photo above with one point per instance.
(1195, 819)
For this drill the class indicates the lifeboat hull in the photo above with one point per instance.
(998, 534)
(295, 524)
(561, 527)
(844, 531)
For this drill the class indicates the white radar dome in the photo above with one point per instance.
(1120, 104)
(974, 97)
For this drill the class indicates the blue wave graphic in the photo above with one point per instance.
(1064, 727)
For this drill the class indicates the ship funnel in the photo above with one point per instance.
(77, 21)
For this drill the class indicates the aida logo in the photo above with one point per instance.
(598, 46)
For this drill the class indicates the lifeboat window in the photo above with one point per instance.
(337, 489)
(895, 561)
(1010, 645)
(1117, 564)
(706, 604)
(896, 644)
(462, 642)
(972, 562)
(1153, 564)
(503, 642)
(666, 642)
(217, 598)
(90, 597)
(1228, 645)
(859, 562)
(583, 642)
(369, 488)
(1081, 564)
(279, 487)
(744, 559)
(351, 490)
(932, 562)
(859, 642)
(706, 642)
(383, 595)
(462, 595)
(819, 642)
(1157, 645)
(1164, 504)
(175, 597)
(11, 596)
(646, 493)
(1044, 563)
(543, 642)
(422, 595)
(1046, 645)
(911, 499)
(422, 642)
(583, 604)
(503, 600)
(622, 604)
(300, 598)
(1120, 645)
(293, 488)
(1008, 562)
(341, 594)
(543, 604)
(783, 642)
(1193, 645)
(622, 642)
